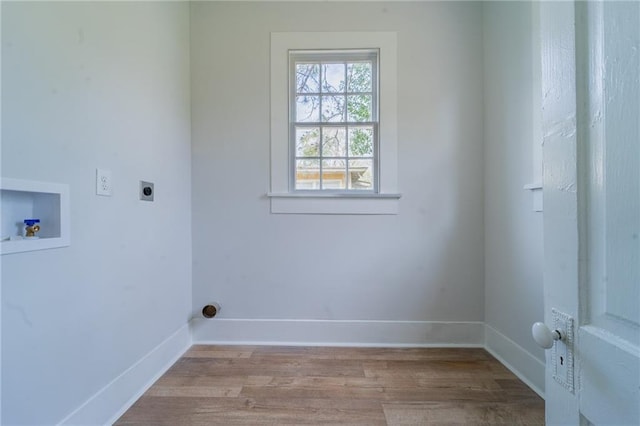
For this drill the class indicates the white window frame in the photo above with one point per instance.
(286, 200)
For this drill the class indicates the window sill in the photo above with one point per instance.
(310, 203)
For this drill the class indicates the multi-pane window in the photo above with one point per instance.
(334, 120)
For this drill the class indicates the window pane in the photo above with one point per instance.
(359, 108)
(308, 78)
(361, 174)
(307, 142)
(333, 121)
(333, 108)
(334, 174)
(361, 141)
(334, 142)
(307, 109)
(307, 174)
(333, 78)
(359, 77)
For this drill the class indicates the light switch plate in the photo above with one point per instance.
(562, 353)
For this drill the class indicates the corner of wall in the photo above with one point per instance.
(123, 391)
(512, 245)
(525, 366)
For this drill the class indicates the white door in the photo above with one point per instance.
(591, 127)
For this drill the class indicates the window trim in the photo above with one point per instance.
(285, 200)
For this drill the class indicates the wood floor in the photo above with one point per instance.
(262, 385)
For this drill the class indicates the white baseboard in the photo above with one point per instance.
(527, 367)
(124, 390)
(337, 333)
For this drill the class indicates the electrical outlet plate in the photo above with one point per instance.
(103, 182)
(146, 191)
(562, 353)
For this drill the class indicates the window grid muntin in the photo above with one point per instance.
(346, 158)
(344, 57)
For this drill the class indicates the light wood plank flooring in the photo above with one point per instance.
(263, 385)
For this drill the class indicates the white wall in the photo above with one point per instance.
(426, 263)
(513, 231)
(89, 85)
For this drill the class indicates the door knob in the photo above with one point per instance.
(543, 335)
